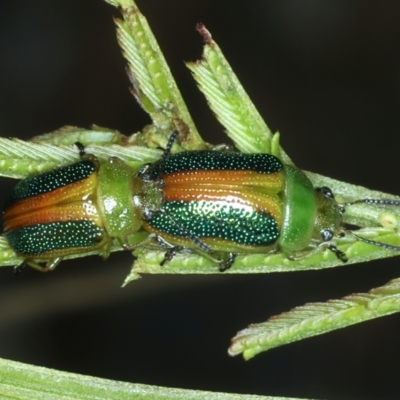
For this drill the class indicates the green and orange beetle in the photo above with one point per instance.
(217, 203)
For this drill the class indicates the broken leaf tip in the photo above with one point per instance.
(204, 32)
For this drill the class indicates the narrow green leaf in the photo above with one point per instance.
(69, 135)
(148, 261)
(154, 87)
(229, 101)
(19, 159)
(27, 382)
(7, 255)
(315, 319)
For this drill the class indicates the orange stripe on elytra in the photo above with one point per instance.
(59, 213)
(74, 192)
(274, 182)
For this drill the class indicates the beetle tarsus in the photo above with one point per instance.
(19, 268)
(338, 253)
(225, 265)
(170, 254)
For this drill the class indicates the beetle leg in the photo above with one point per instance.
(223, 260)
(327, 236)
(197, 241)
(338, 253)
(224, 265)
(170, 254)
(19, 268)
(47, 267)
(318, 247)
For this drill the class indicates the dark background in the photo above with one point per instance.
(326, 74)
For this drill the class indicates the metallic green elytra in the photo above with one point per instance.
(212, 194)
(217, 203)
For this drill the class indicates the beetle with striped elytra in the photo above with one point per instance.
(216, 203)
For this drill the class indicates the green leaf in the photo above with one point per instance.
(18, 158)
(153, 85)
(27, 382)
(315, 319)
(69, 135)
(228, 99)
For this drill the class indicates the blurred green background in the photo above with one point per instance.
(325, 73)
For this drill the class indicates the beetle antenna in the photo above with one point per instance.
(81, 149)
(170, 143)
(379, 202)
(374, 242)
(166, 154)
